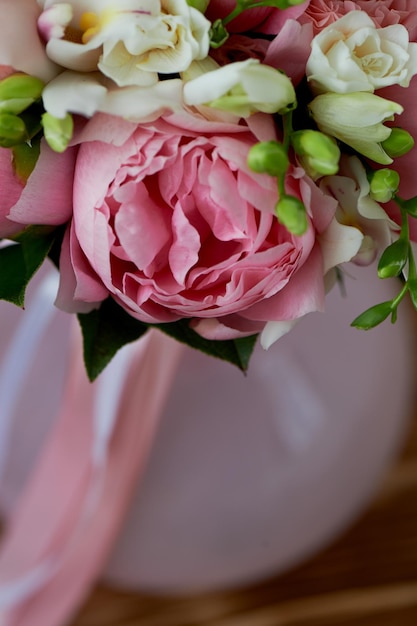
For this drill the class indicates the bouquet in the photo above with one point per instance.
(206, 167)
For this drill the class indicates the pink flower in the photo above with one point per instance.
(45, 198)
(175, 226)
(11, 188)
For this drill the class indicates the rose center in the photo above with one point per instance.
(371, 61)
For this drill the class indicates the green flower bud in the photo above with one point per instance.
(384, 184)
(218, 34)
(268, 157)
(319, 153)
(18, 92)
(12, 130)
(393, 259)
(291, 213)
(58, 132)
(398, 143)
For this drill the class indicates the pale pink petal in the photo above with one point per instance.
(20, 44)
(277, 19)
(47, 196)
(139, 220)
(11, 189)
(77, 277)
(225, 328)
(290, 49)
(303, 294)
(183, 253)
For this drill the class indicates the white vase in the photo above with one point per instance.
(248, 474)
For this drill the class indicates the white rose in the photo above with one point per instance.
(353, 55)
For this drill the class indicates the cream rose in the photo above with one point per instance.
(353, 55)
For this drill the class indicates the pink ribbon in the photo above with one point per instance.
(60, 535)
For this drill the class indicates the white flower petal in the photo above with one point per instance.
(339, 244)
(274, 331)
(71, 92)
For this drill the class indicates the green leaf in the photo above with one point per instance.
(25, 157)
(19, 261)
(236, 351)
(108, 328)
(105, 331)
(373, 316)
(393, 259)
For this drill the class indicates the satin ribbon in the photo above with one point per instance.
(62, 531)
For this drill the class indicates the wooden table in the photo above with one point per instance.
(367, 578)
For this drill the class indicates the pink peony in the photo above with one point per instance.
(321, 13)
(175, 226)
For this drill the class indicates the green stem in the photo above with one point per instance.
(235, 13)
(243, 6)
(405, 228)
(396, 301)
(287, 130)
(286, 141)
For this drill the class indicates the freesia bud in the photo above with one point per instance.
(57, 131)
(384, 184)
(18, 92)
(242, 88)
(291, 213)
(12, 130)
(268, 157)
(319, 154)
(398, 143)
(357, 120)
(393, 259)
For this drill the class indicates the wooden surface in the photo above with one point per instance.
(367, 578)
